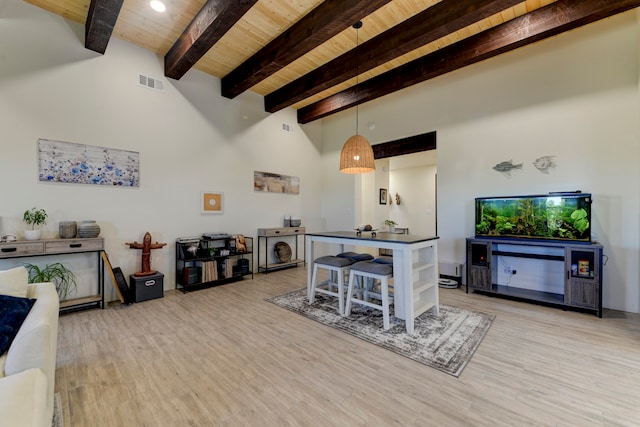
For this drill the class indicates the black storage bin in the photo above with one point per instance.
(191, 275)
(243, 266)
(146, 287)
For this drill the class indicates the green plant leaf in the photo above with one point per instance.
(578, 214)
(35, 217)
(63, 278)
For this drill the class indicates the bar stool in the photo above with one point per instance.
(337, 269)
(383, 260)
(371, 271)
(355, 256)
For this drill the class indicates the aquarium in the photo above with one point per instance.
(555, 216)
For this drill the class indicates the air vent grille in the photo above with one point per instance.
(150, 82)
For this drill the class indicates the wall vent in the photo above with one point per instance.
(150, 82)
(286, 127)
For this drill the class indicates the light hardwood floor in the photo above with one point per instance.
(224, 357)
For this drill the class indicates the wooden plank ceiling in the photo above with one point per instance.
(307, 55)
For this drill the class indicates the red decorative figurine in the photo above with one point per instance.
(146, 247)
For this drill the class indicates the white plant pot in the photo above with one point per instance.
(32, 234)
(392, 229)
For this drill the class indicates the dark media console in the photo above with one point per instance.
(567, 275)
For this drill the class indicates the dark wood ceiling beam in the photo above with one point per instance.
(212, 22)
(556, 18)
(330, 18)
(101, 19)
(433, 23)
(408, 145)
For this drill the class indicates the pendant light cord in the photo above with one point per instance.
(357, 26)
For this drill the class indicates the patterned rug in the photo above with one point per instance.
(57, 412)
(445, 342)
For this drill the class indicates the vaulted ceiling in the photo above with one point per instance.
(307, 55)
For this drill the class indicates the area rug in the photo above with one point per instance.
(445, 342)
(57, 412)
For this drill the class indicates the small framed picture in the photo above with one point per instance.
(383, 196)
(212, 202)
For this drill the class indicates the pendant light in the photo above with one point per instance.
(357, 155)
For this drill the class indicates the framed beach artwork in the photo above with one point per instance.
(72, 163)
(212, 202)
(275, 183)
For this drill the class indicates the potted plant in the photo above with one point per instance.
(391, 224)
(58, 274)
(34, 217)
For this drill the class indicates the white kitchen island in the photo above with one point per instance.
(415, 267)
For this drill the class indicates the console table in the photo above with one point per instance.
(264, 234)
(37, 248)
(415, 267)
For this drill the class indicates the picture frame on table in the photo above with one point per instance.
(383, 196)
(212, 202)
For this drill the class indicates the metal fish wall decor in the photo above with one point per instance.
(544, 163)
(506, 167)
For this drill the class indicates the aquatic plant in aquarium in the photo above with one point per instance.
(554, 216)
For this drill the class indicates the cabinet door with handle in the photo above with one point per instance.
(479, 265)
(583, 277)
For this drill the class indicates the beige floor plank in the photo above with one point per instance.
(225, 357)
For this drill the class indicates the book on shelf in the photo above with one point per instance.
(213, 267)
(209, 270)
(228, 268)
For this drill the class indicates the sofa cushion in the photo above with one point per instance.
(35, 344)
(23, 399)
(14, 282)
(13, 311)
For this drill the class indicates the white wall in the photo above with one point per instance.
(574, 96)
(416, 188)
(189, 139)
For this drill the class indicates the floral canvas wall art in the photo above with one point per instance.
(85, 164)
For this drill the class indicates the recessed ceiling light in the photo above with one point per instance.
(157, 5)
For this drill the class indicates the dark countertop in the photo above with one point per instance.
(381, 236)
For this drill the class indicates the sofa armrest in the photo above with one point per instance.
(23, 399)
(35, 289)
(35, 345)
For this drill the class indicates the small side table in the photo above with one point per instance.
(289, 233)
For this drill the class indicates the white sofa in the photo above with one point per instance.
(28, 367)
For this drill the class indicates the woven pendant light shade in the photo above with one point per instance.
(357, 156)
